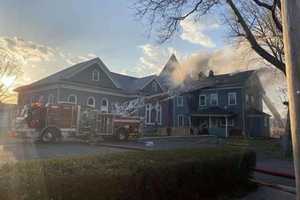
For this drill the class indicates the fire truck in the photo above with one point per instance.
(52, 123)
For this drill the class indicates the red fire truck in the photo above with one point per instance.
(61, 121)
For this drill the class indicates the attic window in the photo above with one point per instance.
(96, 75)
(154, 86)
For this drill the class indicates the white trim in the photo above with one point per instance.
(72, 95)
(94, 101)
(101, 65)
(104, 108)
(95, 91)
(52, 97)
(182, 103)
(98, 75)
(217, 99)
(205, 102)
(235, 98)
(148, 108)
(153, 79)
(158, 110)
(222, 88)
(178, 125)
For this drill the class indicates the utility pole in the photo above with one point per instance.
(291, 36)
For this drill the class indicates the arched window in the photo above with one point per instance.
(154, 86)
(96, 75)
(91, 102)
(72, 99)
(104, 105)
(51, 99)
(158, 113)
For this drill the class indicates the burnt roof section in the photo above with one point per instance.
(217, 81)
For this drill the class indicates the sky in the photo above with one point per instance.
(51, 35)
(46, 36)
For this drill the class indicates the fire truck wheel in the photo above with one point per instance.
(122, 134)
(49, 135)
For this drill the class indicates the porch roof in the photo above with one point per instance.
(213, 111)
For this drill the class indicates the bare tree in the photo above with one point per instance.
(9, 72)
(255, 21)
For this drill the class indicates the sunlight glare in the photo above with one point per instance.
(7, 81)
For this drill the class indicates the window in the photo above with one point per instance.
(232, 98)
(104, 105)
(72, 99)
(96, 75)
(202, 100)
(91, 102)
(214, 99)
(51, 99)
(247, 98)
(158, 113)
(179, 101)
(148, 115)
(153, 114)
(180, 120)
(154, 86)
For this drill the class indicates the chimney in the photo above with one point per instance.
(201, 75)
(211, 73)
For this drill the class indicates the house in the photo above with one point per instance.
(223, 105)
(90, 84)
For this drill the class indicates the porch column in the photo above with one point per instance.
(226, 126)
(209, 121)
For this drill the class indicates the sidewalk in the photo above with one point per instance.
(267, 193)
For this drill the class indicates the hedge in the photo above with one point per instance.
(176, 174)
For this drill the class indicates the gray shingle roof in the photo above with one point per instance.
(217, 81)
(123, 82)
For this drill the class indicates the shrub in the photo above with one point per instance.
(176, 174)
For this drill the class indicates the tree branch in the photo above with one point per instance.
(252, 40)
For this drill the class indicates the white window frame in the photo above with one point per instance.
(154, 86)
(179, 101)
(94, 101)
(104, 108)
(202, 95)
(50, 99)
(148, 108)
(235, 98)
(72, 95)
(158, 113)
(178, 124)
(217, 99)
(97, 73)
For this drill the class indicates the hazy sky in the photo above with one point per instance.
(49, 35)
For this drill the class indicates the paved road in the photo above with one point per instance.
(14, 150)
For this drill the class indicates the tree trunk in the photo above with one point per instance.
(291, 35)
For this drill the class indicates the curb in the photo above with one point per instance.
(274, 173)
(122, 147)
(283, 188)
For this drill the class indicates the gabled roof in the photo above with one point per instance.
(130, 83)
(165, 76)
(126, 83)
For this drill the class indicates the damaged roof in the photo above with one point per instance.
(217, 81)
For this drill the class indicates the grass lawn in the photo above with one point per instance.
(263, 147)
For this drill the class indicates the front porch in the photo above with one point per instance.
(212, 121)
